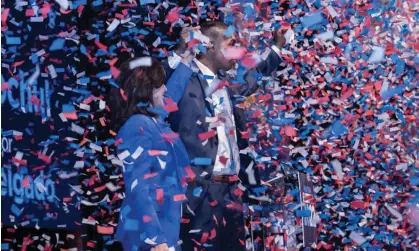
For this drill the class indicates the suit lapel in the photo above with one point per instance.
(204, 86)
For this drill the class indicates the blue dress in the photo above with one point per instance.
(154, 164)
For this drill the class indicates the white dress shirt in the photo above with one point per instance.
(223, 109)
(227, 144)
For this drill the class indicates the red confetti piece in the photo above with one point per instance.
(147, 218)
(70, 115)
(215, 219)
(156, 152)
(159, 195)
(179, 197)
(171, 107)
(213, 203)
(115, 72)
(105, 230)
(213, 234)
(124, 97)
(44, 158)
(4, 86)
(357, 204)
(150, 175)
(100, 45)
(25, 182)
(204, 237)
(223, 160)
(4, 15)
(206, 135)
(173, 15)
(191, 175)
(192, 43)
(184, 221)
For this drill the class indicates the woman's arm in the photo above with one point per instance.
(177, 83)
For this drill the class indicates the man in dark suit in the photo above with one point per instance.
(207, 121)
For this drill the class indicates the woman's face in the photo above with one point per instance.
(158, 96)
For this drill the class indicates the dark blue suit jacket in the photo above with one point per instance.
(189, 120)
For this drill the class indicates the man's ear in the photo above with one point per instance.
(211, 47)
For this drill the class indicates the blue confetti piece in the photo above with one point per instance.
(197, 191)
(15, 210)
(12, 40)
(58, 44)
(338, 129)
(141, 104)
(391, 92)
(5, 246)
(230, 31)
(143, 2)
(414, 180)
(97, 3)
(68, 108)
(202, 161)
(283, 121)
(131, 225)
(312, 19)
(303, 213)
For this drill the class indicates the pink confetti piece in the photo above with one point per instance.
(173, 15)
(235, 52)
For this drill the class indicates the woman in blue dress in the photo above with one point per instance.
(152, 157)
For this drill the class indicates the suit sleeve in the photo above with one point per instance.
(185, 122)
(265, 68)
(177, 82)
(138, 182)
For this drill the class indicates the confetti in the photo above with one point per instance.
(140, 62)
(342, 107)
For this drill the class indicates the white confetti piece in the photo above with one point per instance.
(151, 241)
(157, 42)
(338, 168)
(140, 62)
(95, 147)
(113, 25)
(394, 212)
(332, 11)
(162, 163)
(52, 71)
(77, 129)
(134, 184)
(79, 164)
(64, 4)
(137, 152)
(62, 117)
(326, 35)
(123, 155)
(329, 60)
(357, 238)
(88, 222)
(377, 55)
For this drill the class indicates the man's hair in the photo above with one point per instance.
(213, 29)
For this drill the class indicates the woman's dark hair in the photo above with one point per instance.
(135, 95)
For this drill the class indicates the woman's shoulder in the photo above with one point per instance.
(136, 123)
